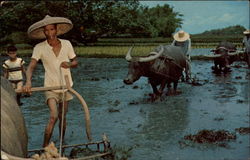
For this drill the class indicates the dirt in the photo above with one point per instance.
(243, 130)
(211, 136)
(78, 152)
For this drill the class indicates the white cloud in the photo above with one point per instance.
(226, 17)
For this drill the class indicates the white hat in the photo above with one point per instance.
(246, 32)
(35, 31)
(181, 36)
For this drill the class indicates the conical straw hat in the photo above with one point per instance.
(35, 31)
(246, 32)
(181, 36)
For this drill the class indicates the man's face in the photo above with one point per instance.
(50, 31)
(12, 55)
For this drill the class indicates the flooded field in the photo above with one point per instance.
(152, 130)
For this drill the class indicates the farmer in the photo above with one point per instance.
(182, 39)
(14, 70)
(57, 56)
(246, 45)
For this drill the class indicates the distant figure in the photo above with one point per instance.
(14, 70)
(246, 46)
(182, 39)
(58, 57)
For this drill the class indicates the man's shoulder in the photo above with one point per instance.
(20, 59)
(41, 44)
(6, 61)
(65, 41)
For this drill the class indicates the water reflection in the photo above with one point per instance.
(166, 121)
(224, 90)
(95, 78)
(231, 85)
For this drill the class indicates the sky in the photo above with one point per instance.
(200, 16)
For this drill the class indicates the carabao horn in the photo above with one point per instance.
(212, 55)
(235, 53)
(128, 56)
(150, 58)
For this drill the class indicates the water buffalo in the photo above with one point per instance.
(14, 137)
(162, 66)
(223, 56)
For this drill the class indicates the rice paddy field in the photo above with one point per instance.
(203, 122)
(174, 128)
(118, 47)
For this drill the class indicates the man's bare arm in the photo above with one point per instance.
(29, 73)
(23, 70)
(71, 64)
(5, 73)
(74, 63)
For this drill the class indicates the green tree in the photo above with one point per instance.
(17, 16)
(160, 20)
(231, 30)
(92, 18)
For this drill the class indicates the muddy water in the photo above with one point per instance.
(153, 130)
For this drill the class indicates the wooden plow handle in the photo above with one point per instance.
(37, 89)
(85, 108)
(80, 98)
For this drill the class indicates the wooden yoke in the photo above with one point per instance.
(36, 89)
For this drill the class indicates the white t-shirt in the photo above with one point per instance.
(54, 74)
(14, 69)
(246, 43)
(185, 46)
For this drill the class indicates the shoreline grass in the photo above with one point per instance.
(107, 52)
(115, 51)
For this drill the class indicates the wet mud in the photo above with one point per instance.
(243, 130)
(218, 138)
(210, 136)
(150, 130)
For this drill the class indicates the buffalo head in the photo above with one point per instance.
(139, 66)
(224, 55)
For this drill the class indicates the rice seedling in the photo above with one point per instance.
(112, 51)
(118, 47)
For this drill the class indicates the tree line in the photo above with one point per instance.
(231, 30)
(91, 18)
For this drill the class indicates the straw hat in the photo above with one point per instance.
(181, 36)
(246, 32)
(35, 31)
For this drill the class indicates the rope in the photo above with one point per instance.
(171, 61)
(188, 63)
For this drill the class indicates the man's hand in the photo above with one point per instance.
(27, 88)
(66, 64)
